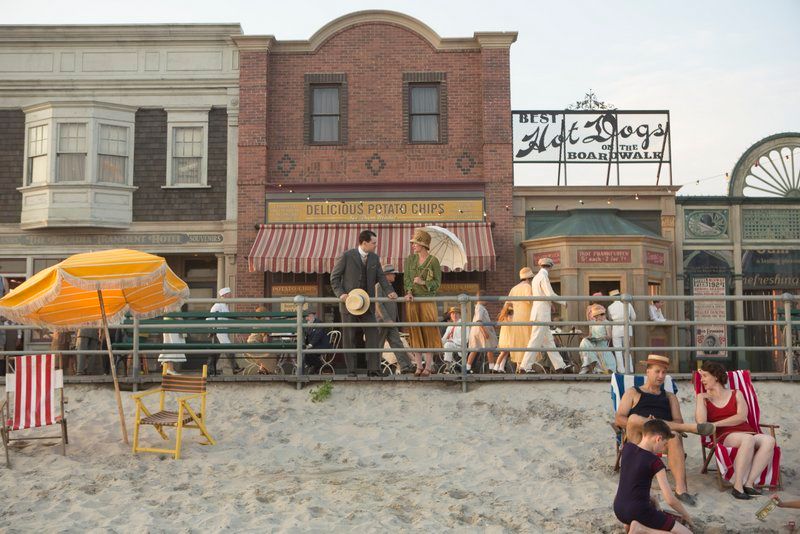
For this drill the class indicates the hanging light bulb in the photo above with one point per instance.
(580, 202)
(727, 177)
(608, 201)
(636, 196)
(697, 182)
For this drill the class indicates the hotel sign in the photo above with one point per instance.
(334, 211)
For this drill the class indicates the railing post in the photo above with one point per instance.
(299, 301)
(462, 300)
(789, 352)
(135, 354)
(626, 338)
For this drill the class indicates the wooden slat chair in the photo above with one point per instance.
(188, 388)
(620, 383)
(771, 476)
(33, 387)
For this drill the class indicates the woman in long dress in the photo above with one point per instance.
(595, 356)
(506, 315)
(422, 276)
(169, 359)
(518, 311)
(482, 336)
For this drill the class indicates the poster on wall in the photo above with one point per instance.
(710, 336)
(292, 290)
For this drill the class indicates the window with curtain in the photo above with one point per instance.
(325, 114)
(424, 113)
(112, 154)
(37, 155)
(71, 154)
(187, 156)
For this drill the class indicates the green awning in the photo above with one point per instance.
(593, 222)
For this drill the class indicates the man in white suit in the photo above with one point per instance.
(540, 312)
(616, 312)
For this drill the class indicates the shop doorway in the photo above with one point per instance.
(603, 286)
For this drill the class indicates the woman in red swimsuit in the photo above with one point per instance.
(727, 409)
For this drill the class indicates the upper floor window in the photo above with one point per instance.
(71, 155)
(37, 155)
(425, 107)
(112, 154)
(424, 113)
(187, 147)
(325, 114)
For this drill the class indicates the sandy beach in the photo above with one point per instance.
(394, 457)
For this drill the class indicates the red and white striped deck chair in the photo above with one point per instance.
(31, 384)
(771, 477)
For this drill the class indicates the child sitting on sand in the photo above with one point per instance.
(633, 504)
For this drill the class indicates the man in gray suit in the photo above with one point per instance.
(387, 313)
(360, 268)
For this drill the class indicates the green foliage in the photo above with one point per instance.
(322, 392)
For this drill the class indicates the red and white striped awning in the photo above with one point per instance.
(313, 248)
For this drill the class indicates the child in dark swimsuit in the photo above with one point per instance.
(633, 504)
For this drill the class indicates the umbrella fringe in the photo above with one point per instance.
(116, 283)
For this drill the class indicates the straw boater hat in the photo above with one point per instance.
(421, 237)
(545, 262)
(525, 273)
(357, 302)
(597, 309)
(453, 309)
(389, 269)
(613, 293)
(657, 359)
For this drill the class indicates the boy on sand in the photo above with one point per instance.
(640, 463)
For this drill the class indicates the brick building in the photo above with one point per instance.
(119, 136)
(376, 123)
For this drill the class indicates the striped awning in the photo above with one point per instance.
(313, 248)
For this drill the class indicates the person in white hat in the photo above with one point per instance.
(540, 312)
(616, 312)
(222, 337)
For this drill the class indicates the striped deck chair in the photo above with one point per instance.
(186, 388)
(31, 384)
(771, 477)
(620, 383)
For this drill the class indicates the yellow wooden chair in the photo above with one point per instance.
(194, 388)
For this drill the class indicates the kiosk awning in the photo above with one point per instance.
(313, 248)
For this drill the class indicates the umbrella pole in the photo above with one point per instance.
(113, 368)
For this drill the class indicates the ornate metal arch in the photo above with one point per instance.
(769, 168)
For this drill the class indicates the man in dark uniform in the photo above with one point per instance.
(360, 268)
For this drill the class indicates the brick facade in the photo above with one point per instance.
(151, 202)
(378, 59)
(12, 153)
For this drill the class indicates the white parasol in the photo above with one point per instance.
(447, 248)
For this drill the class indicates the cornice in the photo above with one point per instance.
(116, 33)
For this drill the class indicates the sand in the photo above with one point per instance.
(504, 457)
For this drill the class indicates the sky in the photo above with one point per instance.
(728, 71)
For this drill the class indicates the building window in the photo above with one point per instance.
(425, 107)
(187, 156)
(325, 114)
(112, 154)
(37, 154)
(424, 113)
(71, 154)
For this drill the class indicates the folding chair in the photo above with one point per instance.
(771, 476)
(620, 383)
(31, 384)
(326, 359)
(185, 417)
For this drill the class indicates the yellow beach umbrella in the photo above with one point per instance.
(90, 289)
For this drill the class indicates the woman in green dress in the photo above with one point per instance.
(422, 277)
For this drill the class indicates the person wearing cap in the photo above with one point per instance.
(422, 276)
(452, 340)
(360, 268)
(595, 356)
(650, 400)
(222, 337)
(616, 312)
(386, 312)
(315, 338)
(633, 505)
(541, 336)
(515, 336)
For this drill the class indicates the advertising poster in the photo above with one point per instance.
(710, 336)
